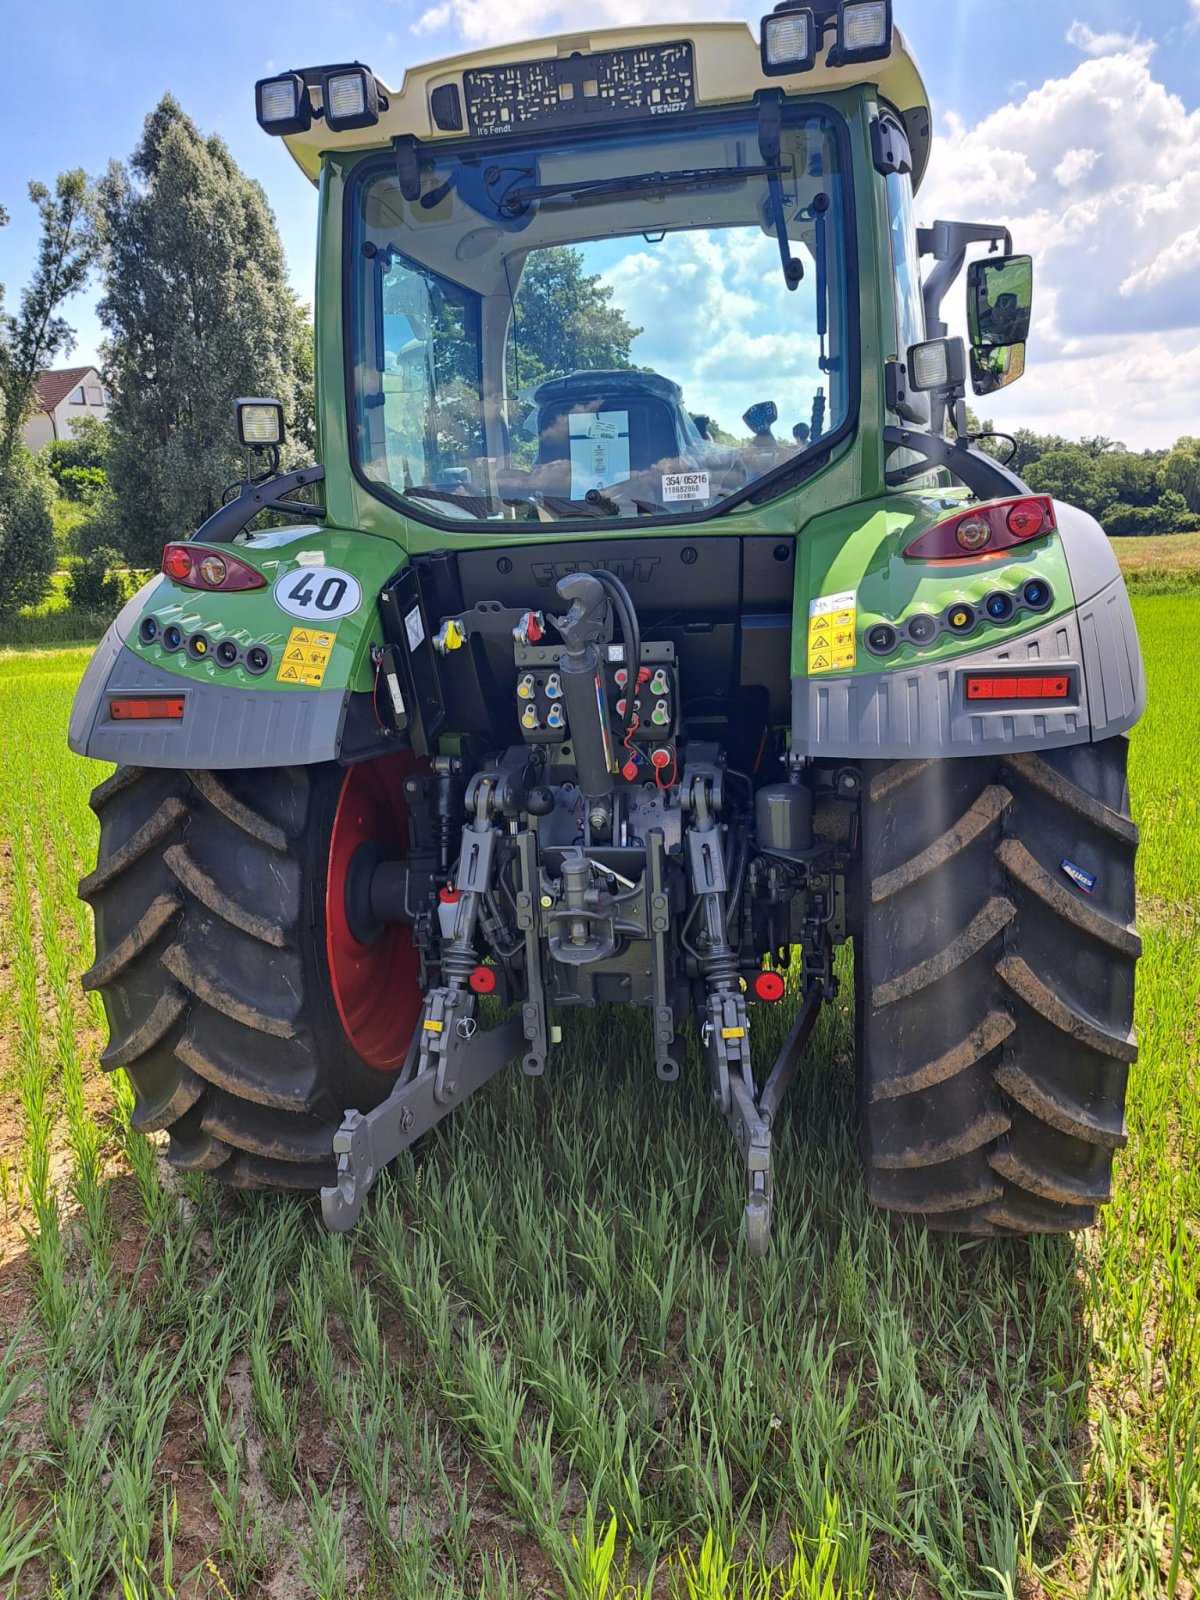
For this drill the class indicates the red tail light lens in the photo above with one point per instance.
(177, 562)
(197, 567)
(1026, 519)
(985, 530)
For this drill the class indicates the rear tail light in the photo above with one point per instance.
(147, 708)
(985, 530)
(196, 567)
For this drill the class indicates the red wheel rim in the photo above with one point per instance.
(375, 986)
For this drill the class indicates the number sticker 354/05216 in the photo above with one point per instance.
(318, 594)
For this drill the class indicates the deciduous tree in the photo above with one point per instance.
(565, 321)
(31, 339)
(1181, 471)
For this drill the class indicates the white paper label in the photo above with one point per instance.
(832, 602)
(414, 628)
(684, 486)
(599, 448)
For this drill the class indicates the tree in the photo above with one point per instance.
(302, 424)
(198, 309)
(79, 465)
(29, 341)
(1181, 471)
(1070, 474)
(27, 554)
(565, 321)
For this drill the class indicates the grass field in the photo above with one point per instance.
(1163, 564)
(538, 1369)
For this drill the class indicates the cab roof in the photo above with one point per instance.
(728, 70)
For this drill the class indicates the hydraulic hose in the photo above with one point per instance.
(631, 634)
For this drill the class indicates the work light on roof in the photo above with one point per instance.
(351, 98)
(789, 40)
(864, 31)
(282, 104)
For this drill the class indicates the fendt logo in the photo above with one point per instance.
(636, 569)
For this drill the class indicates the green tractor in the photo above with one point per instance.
(565, 695)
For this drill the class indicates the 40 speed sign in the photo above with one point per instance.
(323, 593)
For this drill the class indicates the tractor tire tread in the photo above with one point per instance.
(200, 886)
(995, 998)
(153, 831)
(206, 899)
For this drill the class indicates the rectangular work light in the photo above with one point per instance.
(789, 40)
(936, 364)
(259, 422)
(282, 104)
(351, 98)
(864, 31)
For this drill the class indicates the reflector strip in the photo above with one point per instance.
(1022, 688)
(149, 708)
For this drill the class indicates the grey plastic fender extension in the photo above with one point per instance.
(222, 726)
(920, 712)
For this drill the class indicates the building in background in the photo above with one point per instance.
(63, 397)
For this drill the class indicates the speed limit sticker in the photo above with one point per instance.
(318, 594)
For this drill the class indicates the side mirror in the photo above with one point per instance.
(996, 368)
(999, 300)
(259, 423)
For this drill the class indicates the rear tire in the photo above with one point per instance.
(209, 898)
(995, 995)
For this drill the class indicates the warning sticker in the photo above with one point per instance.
(831, 626)
(414, 628)
(305, 656)
(684, 486)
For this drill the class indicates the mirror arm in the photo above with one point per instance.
(947, 243)
(983, 475)
(228, 521)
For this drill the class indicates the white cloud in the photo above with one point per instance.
(1182, 257)
(1075, 166)
(485, 22)
(1101, 44)
(1089, 172)
(718, 319)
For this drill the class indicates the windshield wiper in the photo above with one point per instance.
(633, 183)
(770, 134)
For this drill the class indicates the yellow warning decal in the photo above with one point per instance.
(831, 628)
(305, 656)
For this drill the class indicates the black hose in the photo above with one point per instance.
(624, 607)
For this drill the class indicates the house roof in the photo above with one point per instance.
(52, 387)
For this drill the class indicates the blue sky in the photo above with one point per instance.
(1078, 122)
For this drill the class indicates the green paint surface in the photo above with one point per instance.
(859, 550)
(252, 616)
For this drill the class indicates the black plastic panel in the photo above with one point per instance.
(724, 604)
(663, 576)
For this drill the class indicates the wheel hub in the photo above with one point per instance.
(373, 965)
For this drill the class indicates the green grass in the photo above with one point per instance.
(539, 1368)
